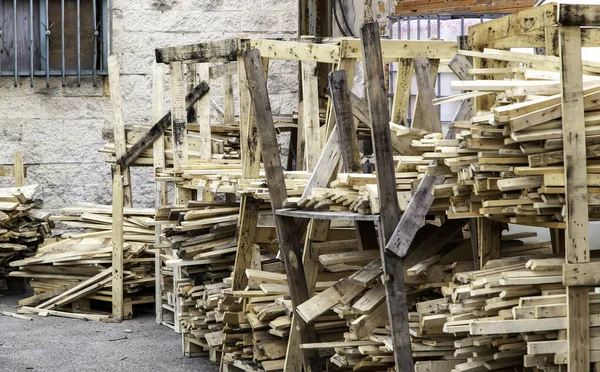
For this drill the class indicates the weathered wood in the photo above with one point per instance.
(579, 15)
(512, 25)
(203, 114)
(19, 169)
(401, 100)
(434, 242)
(488, 238)
(346, 128)
(117, 244)
(310, 114)
(389, 210)
(287, 232)
(212, 51)
(426, 115)
(245, 241)
(577, 233)
(119, 123)
(179, 127)
(159, 128)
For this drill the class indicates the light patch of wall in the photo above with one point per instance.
(59, 129)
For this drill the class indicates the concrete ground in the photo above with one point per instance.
(54, 344)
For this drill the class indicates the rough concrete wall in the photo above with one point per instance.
(59, 129)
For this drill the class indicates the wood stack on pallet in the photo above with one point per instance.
(225, 144)
(69, 273)
(22, 228)
(507, 163)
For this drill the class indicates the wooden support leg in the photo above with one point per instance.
(489, 234)
(249, 209)
(557, 236)
(117, 244)
(287, 229)
(426, 116)
(386, 183)
(577, 235)
(401, 101)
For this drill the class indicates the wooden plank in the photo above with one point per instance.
(401, 100)
(427, 117)
(160, 126)
(228, 99)
(287, 232)
(179, 128)
(117, 244)
(512, 25)
(212, 51)
(579, 15)
(19, 169)
(310, 114)
(489, 234)
(346, 128)
(577, 233)
(245, 241)
(119, 123)
(203, 112)
(386, 183)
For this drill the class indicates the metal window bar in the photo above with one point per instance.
(401, 21)
(22, 9)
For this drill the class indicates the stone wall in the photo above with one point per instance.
(59, 129)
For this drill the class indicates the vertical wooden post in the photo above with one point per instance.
(401, 99)
(489, 235)
(310, 114)
(19, 169)
(577, 234)
(203, 112)
(117, 244)
(386, 182)
(119, 123)
(251, 152)
(426, 116)
(228, 101)
(287, 230)
(178, 122)
(158, 108)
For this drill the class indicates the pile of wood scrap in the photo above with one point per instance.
(507, 163)
(225, 144)
(22, 228)
(96, 221)
(67, 274)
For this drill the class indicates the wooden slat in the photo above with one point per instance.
(346, 128)
(117, 244)
(310, 114)
(426, 117)
(401, 100)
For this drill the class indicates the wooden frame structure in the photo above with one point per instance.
(553, 27)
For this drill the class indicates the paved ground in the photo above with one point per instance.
(55, 344)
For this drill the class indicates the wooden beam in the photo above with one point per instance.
(117, 244)
(212, 51)
(512, 25)
(118, 123)
(577, 233)
(287, 232)
(19, 169)
(179, 127)
(203, 113)
(159, 128)
(386, 183)
(579, 15)
(426, 115)
(401, 100)
(488, 239)
(311, 121)
(346, 128)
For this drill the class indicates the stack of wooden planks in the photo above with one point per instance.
(22, 228)
(507, 163)
(225, 144)
(69, 273)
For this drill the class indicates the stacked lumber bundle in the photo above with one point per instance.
(73, 271)
(225, 144)
(22, 228)
(507, 163)
(77, 269)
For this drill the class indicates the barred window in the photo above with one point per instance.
(53, 38)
